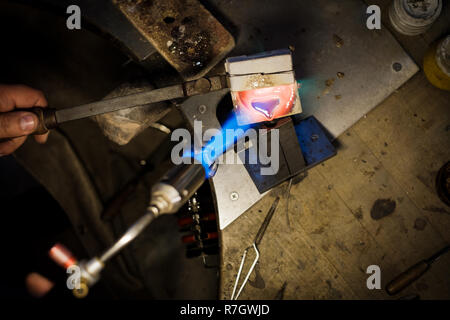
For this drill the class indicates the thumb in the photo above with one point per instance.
(17, 123)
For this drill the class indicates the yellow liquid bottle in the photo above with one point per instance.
(436, 64)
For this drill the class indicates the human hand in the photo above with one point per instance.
(18, 124)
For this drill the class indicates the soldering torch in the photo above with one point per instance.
(167, 196)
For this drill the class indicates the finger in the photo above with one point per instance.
(9, 146)
(41, 138)
(20, 96)
(38, 285)
(17, 124)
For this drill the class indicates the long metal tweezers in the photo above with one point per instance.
(254, 245)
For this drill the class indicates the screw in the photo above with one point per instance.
(234, 196)
(397, 66)
(314, 137)
(202, 109)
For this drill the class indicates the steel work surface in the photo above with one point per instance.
(328, 38)
(314, 28)
(392, 154)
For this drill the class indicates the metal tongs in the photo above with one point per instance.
(254, 245)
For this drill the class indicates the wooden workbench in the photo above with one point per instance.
(322, 247)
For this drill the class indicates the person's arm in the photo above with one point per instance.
(18, 124)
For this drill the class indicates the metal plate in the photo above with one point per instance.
(231, 198)
(182, 31)
(303, 148)
(329, 37)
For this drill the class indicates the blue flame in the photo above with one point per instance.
(218, 144)
(306, 86)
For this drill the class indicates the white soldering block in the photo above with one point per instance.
(263, 86)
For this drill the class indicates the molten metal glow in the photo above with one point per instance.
(264, 104)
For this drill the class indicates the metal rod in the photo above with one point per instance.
(287, 204)
(266, 222)
(119, 103)
(239, 273)
(249, 271)
(255, 243)
(437, 255)
(130, 234)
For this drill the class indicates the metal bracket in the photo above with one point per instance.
(231, 198)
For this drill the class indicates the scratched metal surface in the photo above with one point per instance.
(365, 57)
(329, 37)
